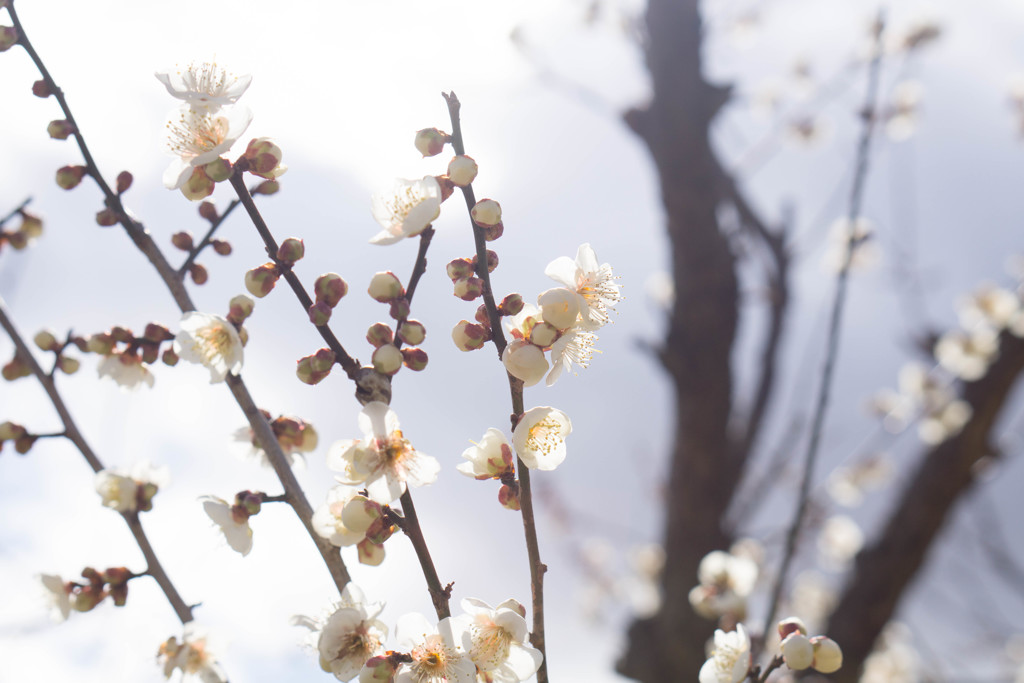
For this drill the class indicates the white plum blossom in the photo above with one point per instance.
(495, 639)
(730, 658)
(127, 370)
(406, 209)
(726, 581)
(211, 341)
(436, 653)
(204, 85)
(383, 461)
(59, 598)
(525, 361)
(489, 458)
(574, 346)
(594, 284)
(196, 137)
(840, 539)
(988, 306)
(345, 517)
(857, 238)
(347, 636)
(193, 656)
(967, 355)
(559, 307)
(120, 490)
(237, 532)
(539, 438)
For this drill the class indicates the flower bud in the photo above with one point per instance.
(430, 141)
(150, 352)
(414, 358)
(543, 335)
(312, 369)
(791, 625)
(379, 334)
(330, 288)
(559, 307)
(60, 129)
(494, 232)
(218, 170)
(319, 313)
(412, 332)
(486, 213)
(399, 309)
(46, 341)
(446, 185)
(511, 304)
(198, 273)
(169, 357)
(106, 218)
(208, 210)
(198, 186)
(482, 316)
(67, 365)
(267, 187)
(243, 335)
(508, 496)
(828, 657)
(469, 288)
(182, 240)
(797, 651)
(239, 308)
(377, 669)
(492, 261)
(23, 444)
(17, 240)
(261, 280)
(250, 501)
(369, 553)
(459, 269)
(265, 158)
(102, 344)
(386, 287)
(10, 431)
(15, 369)
(8, 38)
(525, 361)
(222, 247)
(41, 89)
(124, 181)
(387, 359)
(462, 170)
(468, 336)
(68, 177)
(122, 334)
(31, 225)
(291, 250)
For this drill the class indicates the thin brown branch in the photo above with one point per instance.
(832, 344)
(207, 238)
(15, 211)
(439, 595)
(348, 364)
(71, 431)
(537, 567)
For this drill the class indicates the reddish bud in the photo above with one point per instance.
(481, 315)
(265, 158)
(124, 181)
(261, 280)
(218, 170)
(15, 369)
(169, 357)
(41, 89)
(414, 358)
(508, 496)
(312, 369)
(198, 273)
(222, 247)
(23, 444)
(379, 334)
(122, 334)
(469, 288)
(446, 185)
(157, 333)
(430, 141)
(8, 38)
(198, 186)
(399, 309)
(330, 288)
(494, 232)
(319, 313)
(469, 336)
(208, 210)
(68, 177)
(267, 187)
(60, 129)
(31, 225)
(459, 268)
(385, 287)
(412, 332)
(291, 250)
(511, 304)
(182, 240)
(10, 431)
(240, 308)
(492, 261)
(106, 218)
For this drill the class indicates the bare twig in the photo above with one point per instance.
(207, 238)
(16, 210)
(832, 343)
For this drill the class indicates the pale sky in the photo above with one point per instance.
(342, 87)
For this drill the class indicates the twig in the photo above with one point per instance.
(154, 568)
(214, 225)
(16, 210)
(439, 594)
(348, 364)
(832, 344)
(175, 284)
(537, 568)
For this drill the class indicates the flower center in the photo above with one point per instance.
(545, 436)
(401, 204)
(195, 133)
(491, 644)
(207, 80)
(212, 341)
(432, 661)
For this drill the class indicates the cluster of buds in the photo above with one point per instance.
(130, 492)
(125, 356)
(726, 581)
(233, 519)
(329, 289)
(820, 653)
(18, 435)
(314, 368)
(29, 229)
(261, 280)
(84, 596)
(183, 240)
(349, 517)
(294, 435)
(388, 356)
(472, 336)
